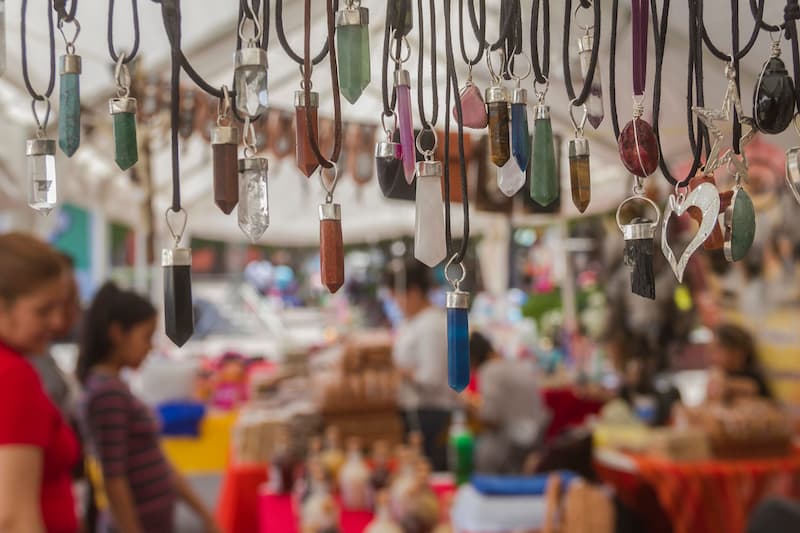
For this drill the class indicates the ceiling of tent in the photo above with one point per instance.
(90, 178)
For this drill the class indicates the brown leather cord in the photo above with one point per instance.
(337, 104)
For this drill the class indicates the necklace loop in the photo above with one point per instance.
(405, 51)
(329, 190)
(176, 236)
(389, 132)
(495, 77)
(455, 282)
(257, 29)
(579, 126)
(429, 153)
(249, 139)
(41, 125)
(510, 68)
(69, 43)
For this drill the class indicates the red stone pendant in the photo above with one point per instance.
(638, 148)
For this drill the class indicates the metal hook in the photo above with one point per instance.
(578, 126)
(389, 132)
(455, 282)
(541, 94)
(41, 125)
(404, 46)
(179, 235)
(249, 139)
(224, 107)
(70, 44)
(510, 69)
(122, 76)
(427, 153)
(495, 77)
(585, 28)
(643, 199)
(329, 190)
(256, 24)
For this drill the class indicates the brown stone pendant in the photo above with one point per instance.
(224, 143)
(638, 147)
(331, 246)
(497, 106)
(579, 176)
(306, 159)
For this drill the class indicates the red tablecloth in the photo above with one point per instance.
(567, 409)
(703, 496)
(237, 509)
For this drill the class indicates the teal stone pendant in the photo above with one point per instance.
(740, 225)
(69, 119)
(352, 46)
(544, 176)
(126, 150)
(520, 142)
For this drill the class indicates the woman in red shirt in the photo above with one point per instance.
(37, 447)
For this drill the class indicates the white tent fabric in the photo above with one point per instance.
(91, 178)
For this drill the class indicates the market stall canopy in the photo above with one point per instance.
(91, 178)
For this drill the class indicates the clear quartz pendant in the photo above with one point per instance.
(594, 103)
(430, 246)
(250, 81)
(510, 178)
(253, 212)
(41, 155)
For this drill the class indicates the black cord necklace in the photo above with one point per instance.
(580, 99)
(130, 55)
(279, 31)
(479, 35)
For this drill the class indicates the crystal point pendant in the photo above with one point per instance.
(352, 43)
(458, 339)
(579, 175)
(638, 148)
(430, 246)
(306, 159)
(331, 246)
(178, 306)
(544, 178)
(510, 178)
(473, 108)
(497, 106)
(594, 103)
(638, 256)
(126, 149)
(224, 142)
(41, 155)
(69, 110)
(253, 197)
(520, 136)
(740, 225)
(402, 83)
(250, 81)
(773, 100)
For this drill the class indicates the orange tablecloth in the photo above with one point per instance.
(705, 496)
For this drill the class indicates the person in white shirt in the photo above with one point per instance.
(420, 358)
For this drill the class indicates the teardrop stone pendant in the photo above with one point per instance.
(473, 108)
(773, 99)
(638, 148)
(740, 225)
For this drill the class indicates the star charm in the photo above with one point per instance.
(708, 116)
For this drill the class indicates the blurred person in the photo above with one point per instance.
(38, 449)
(420, 358)
(735, 369)
(140, 485)
(510, 410)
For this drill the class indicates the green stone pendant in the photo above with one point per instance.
(740, 225)
(352, 47)
(126, 150)
(544, 180)
(69, 120)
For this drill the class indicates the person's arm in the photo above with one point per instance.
(123, 507)
(20, 489)
(190, 497)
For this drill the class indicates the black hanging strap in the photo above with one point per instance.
(587, 83)
(285, 42)
(426, 124)
(480, 34)
(64, 14)
(791, 13)
(135, 49)
(506, 23)
(541, 68)
(389, 29)
(171, 16)
(758, 16)
(24, 48)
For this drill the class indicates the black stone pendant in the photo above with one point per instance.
(773, 100)
(391, 177)
(178, 306)
(638, 256)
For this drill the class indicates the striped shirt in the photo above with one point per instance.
(123, 436)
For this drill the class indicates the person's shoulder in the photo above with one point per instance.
(99, 387)
(16, 369)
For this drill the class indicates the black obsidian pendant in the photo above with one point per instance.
(391, 176)
(773, 100)
(178, 308)
(638, 256)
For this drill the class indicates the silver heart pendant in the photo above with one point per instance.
(793, 171)
(706, 198)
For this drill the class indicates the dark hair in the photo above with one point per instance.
(111, 305)
(413, 275)
(480, 349)
(26, 263)
(737, 339)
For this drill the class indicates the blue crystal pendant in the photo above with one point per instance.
(520, 141)
(458, 339)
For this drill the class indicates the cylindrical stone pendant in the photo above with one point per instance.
(224, 143)
(126, 149)
(331, 246)
(458, 339)
(69, 98)
(579, 175)
(497, 109)
(306, 159)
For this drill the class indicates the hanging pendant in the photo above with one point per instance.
(580, 180)
(250, 80)
(594, 103)
(544, 179)
(331, 246)
(510, 178)
(389, 165)
(69, 111)
(306, 159)
(224, 144)
(793, 171)
(705, 198)
(178, 306)
(773, 99)
(457, 334)
(497, 111)
(253, 212)
(740, 225)
(638, 147)
(352, 46)
(430, 246)
(402, 83)
(520, 136)
(473, 108)
(41, 156)
(400, 16)
(638, 254)
(126, 149)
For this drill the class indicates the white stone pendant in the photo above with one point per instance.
(429, 240)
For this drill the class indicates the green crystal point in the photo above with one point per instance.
(126, 151)
(352, 42)
(544, 180)
(69, 113)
